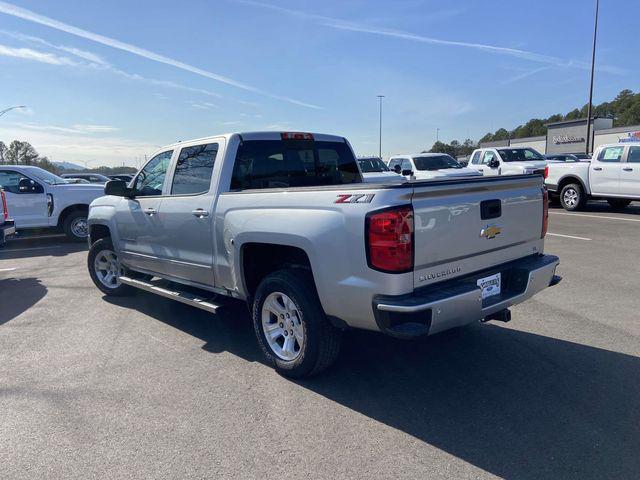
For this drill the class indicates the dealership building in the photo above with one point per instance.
(570, 136)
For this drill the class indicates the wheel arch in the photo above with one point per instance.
(564, 181)
(80, 207)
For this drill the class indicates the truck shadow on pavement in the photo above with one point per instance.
(18, 295)
(516, 404)
(33, 246)
(596, 206)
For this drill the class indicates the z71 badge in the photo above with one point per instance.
(355, 198)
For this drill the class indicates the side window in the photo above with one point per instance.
(634, 155)
(488, 156)
(476, 157)
(393, 163)
(406, 164)
(10, 180)
(193, 169)
(151, 178)
(611, 154)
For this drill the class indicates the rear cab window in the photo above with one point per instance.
(264, 164)
(194, 167)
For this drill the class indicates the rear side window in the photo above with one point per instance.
(193, 169)
(283, 164)
(611, 154)
(634, 155)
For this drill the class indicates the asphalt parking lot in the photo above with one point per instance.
(143, 387)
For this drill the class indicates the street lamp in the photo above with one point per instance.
(2, 112)
(593, 63)
(380, 97)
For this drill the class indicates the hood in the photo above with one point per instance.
(382, 177)
(533, 164)
(448, 172)
(80, 187)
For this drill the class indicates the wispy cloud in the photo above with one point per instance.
(346, 25)
(75, 129)
(523, 75)
(28, 15)
(202, 105)
(34, 55)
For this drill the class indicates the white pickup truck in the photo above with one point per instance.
(612, 174)
(507, 161)
(38, 199)
(7, 225)
(284, 221)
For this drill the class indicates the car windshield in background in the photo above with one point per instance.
(519, 154)
(48, 177)
(436, 162)
(372, 165)
(582, 156)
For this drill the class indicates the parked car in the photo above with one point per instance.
(568, 157)
(7, 225)
(612, 174)
(90, 177)
(374, 170)
(284, 222)
(40, 199)
(507, 161)
(429, 165)
(125, 177)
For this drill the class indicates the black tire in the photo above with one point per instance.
(618, 203)
(71, 229)
(572, 197)
(96, 248)
(322, 340)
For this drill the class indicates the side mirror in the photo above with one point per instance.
(494, 163)
(26, 185)
(407, 172)
(118, 188)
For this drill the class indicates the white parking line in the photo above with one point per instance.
(7, 269)
(9, 250)
(596, 216)
(568, 236)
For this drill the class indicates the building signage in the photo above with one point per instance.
(631, 137)
(564, 139)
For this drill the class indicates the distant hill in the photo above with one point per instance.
(68, 166)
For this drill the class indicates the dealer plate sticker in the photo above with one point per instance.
(490, 285)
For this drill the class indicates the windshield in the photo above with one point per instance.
(435, 162)
(48, 177)
(371, 165)
(582, 156)
(519, 154)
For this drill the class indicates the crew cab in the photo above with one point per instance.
(39, 199)
(612, 174)
(374, 170)
(423, 166)
(7, 225)
(507, 161)
(284, 222)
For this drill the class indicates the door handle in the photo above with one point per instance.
(628, 169)
(150, 211)
(597, 168)
(199, 212)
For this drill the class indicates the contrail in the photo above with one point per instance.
(30, 16)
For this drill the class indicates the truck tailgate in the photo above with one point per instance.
(466, 225)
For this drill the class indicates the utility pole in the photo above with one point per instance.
(593, 64)
(380, 97)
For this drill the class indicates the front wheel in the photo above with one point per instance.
(105, 269)
(292, 329)
(572, 197)
(75, 226)
(618, 203)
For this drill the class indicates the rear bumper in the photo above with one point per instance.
(6, 230)
(459, 301)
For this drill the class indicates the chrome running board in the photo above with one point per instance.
(180, 296)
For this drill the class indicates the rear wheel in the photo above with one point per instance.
(105, 269)
(75, 226)
(618, 203)
(292, 329)
(572, 197)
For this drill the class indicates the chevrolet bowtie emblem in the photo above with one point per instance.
(490, 231)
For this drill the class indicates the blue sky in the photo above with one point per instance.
(108, 82)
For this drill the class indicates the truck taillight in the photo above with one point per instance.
(389, 237)
(546, 171)
(5, 209)
(545, 212)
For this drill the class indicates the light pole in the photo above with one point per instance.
(593, 64)
(437, 134)
(2, 112)
(380, 97)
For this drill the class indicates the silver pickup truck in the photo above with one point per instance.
(284, 222)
